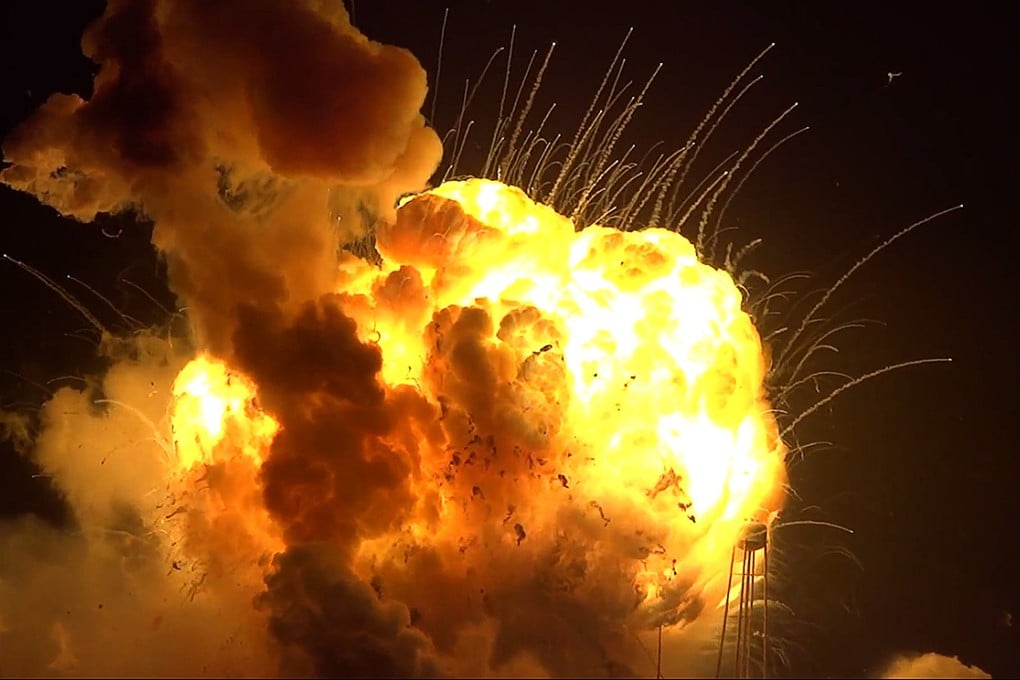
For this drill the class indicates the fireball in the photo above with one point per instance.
(596, 389)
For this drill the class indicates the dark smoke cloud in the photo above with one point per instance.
(289, 85)
(257, 136)
(348, 628)
(330, 476)
(236, 127)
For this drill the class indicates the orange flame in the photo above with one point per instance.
(221, 438)
(209, 400)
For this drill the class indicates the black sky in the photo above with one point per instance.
(922, 465)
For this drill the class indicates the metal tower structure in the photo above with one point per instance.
(743, 641)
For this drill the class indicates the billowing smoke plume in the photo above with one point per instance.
(502, 447)
(931, 665)
(246, 131)
(257, 137)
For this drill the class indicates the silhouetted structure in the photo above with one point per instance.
(744, 635)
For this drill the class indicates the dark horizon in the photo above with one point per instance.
(910, 113)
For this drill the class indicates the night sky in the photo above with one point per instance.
(921, 463)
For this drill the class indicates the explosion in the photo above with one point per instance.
(588, 404)
(595, 386)
(504, 445)
(209, 400)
